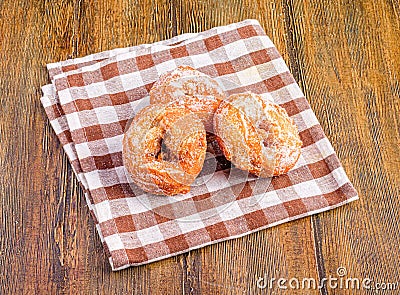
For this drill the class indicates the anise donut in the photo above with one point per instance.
(164, 149)
(191, 89)
(257, 135)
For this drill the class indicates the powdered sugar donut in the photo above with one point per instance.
(189, 88)
(257, 135)
(164, 149)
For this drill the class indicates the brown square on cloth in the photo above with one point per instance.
(90, 100)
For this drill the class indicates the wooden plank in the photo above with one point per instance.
(104, 25)
(349, 66)
(285, 251)
(31, 183)
(69, 256)
(344, 55)
(48, 240)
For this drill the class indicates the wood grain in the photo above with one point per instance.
(346, 58)
(349, 67)
(285, 251)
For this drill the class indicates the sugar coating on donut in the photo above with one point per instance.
(188, 88)
(164, 149)
(257, 135)
(177, 73)
(187, 80)
(203, 106)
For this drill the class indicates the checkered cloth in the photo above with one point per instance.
(91, 99)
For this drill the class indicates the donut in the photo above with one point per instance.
(257, 135)
(189, 88)
(163, 149)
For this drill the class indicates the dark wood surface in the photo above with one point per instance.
(345, 56)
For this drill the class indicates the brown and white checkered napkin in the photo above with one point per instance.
(91, 99)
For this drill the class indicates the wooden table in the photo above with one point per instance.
(345, 56)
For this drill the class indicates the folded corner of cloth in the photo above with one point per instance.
(91, 99)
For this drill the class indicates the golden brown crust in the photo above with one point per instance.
(164, 149)
(257, 135)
